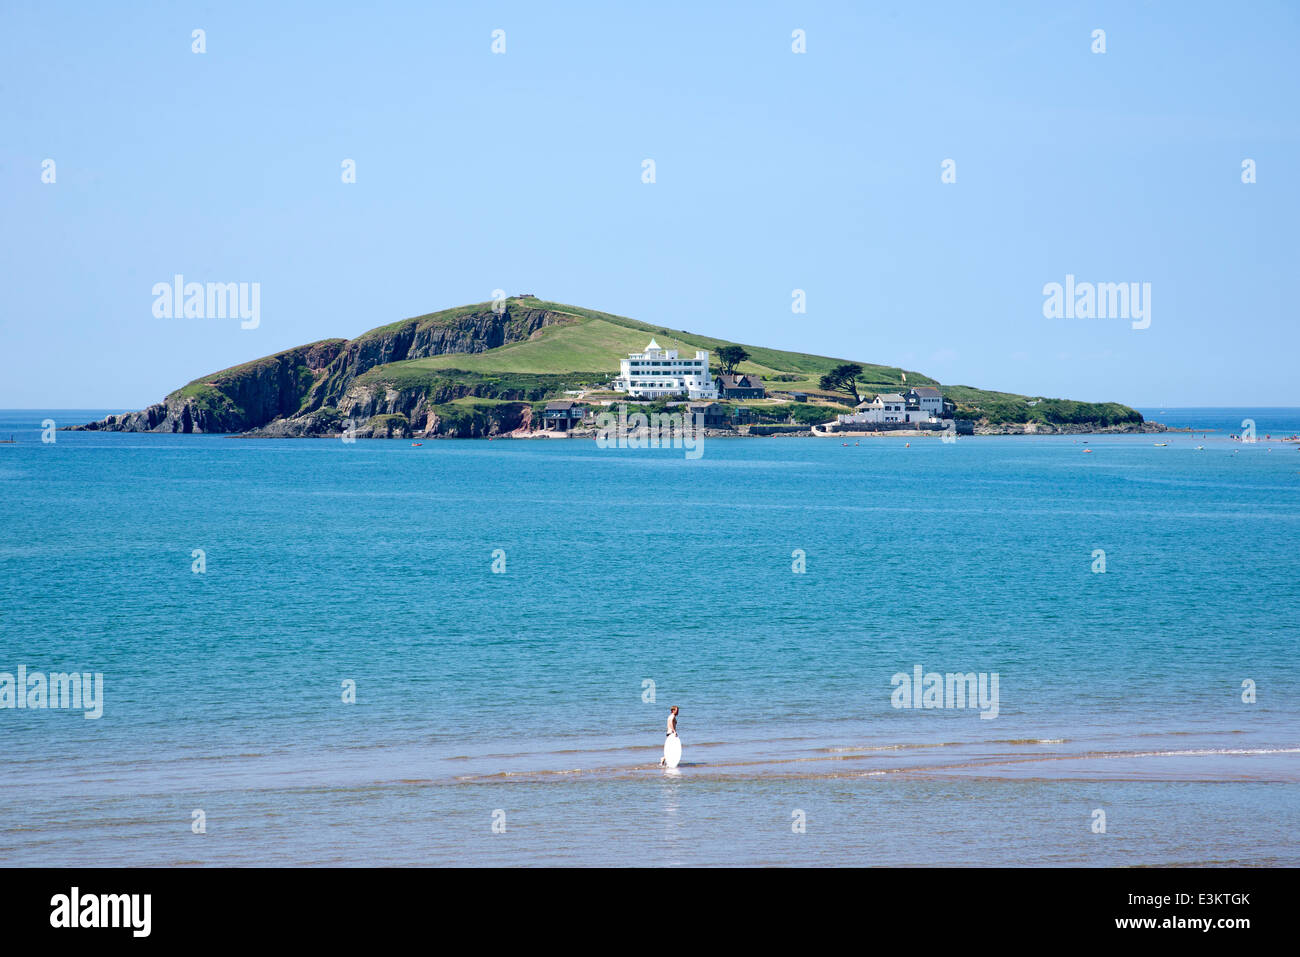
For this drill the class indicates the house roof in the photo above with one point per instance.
(740, 382)
(890, 397)
(653, 345)
(928, 391)
(561, 405)
(694, 406)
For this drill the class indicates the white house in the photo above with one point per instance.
(927, 399)
(658, 372)
(894, 408)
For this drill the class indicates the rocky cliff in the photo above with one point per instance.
(315, 389)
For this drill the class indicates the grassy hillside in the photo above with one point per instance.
(588, 349)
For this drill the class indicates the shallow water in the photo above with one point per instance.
(522, 692)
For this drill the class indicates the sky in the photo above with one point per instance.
(774, 171)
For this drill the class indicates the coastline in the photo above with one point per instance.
(723, 434)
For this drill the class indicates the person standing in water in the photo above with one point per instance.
(672, 728)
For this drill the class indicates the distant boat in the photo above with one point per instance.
(1088, 451)
(8, 441)
(1161, 445)
(416, 445)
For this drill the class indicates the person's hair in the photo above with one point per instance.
(673, 709)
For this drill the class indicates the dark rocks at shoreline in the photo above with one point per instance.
(1069, 428)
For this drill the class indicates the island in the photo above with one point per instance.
(526, 367)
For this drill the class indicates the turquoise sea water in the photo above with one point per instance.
(522, 692)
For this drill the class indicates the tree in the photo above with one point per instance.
(730, 357)
(844, 379)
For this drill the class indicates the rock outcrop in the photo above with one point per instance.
(1067, 428)
(312, 390)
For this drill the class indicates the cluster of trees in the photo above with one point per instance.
(843, 378)
(729, 357)
(1052, 411)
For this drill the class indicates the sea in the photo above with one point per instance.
(318, 652)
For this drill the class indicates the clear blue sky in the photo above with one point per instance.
(775, 171)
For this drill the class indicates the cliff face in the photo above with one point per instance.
(379, 411)
(421, 420)
(311, 389)
(474, 332)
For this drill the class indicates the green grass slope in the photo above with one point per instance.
(588, 350)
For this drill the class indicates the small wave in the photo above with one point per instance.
(863, 749)
(542, 773)
(1030, 741)
(1199, 752)
(855, 749)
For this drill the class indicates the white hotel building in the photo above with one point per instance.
(659, 372)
